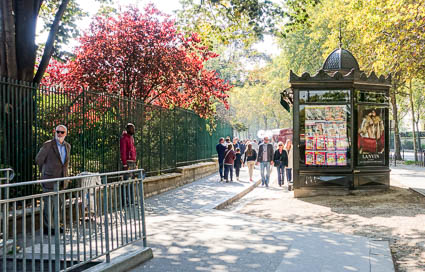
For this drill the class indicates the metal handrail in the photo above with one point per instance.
(75, 226)
(41, 181)
(10, 174)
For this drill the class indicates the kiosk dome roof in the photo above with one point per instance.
(340, 59)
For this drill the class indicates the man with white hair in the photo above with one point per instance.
(53, 161)
(265, 159)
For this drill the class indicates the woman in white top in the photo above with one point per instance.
(288, 148)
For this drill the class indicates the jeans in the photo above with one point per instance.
(265, 178)
(280, 174)
(289, 174)
(221, 169)
(227, 168)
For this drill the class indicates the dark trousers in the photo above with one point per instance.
(127, 191)
(289, 174)
(280, 174)
(237, 170)
(221, 169)
(52, 212)
(228, 168)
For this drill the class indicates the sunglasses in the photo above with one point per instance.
(60, 132)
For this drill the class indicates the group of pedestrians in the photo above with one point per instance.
(234, 156)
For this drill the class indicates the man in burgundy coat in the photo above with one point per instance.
(128, 159)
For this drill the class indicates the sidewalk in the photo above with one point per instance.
(410, 176)
(187, 234)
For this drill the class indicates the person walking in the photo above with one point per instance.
(235, 143)
(242, 146)
(255, 145)
(249, 159)
(229, 159)
(265, 159)
(53, 161)
(280, 159)
(129, 162)
(289, 151)
(238, 162)
(221, 150)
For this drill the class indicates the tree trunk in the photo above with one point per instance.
(48, 50)
(397, 142)
(10, 66)
(418, 134)
(413, 120)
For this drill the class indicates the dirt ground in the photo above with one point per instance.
(397, 215)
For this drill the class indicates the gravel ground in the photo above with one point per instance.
(397, 215)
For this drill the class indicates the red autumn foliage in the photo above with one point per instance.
(142, 55)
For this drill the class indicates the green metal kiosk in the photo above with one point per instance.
(341, 128)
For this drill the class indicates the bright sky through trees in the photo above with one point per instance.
(269, 45)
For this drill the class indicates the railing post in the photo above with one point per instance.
(142, 206)
(105, 214)
(57, 230)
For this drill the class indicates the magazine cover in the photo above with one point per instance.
(321, 143)
(319, 129)
(341, 143)
(330, 143)
(309, 143)
(342, 129)
(331, 158)
(314, 113)
(309, 158)
(331, 129)
(329, 113)
(320, 158)
(309, 130)
(339, 113)
(341, 158)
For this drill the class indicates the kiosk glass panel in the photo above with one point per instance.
(325, 130)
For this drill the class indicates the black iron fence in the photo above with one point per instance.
(164, 138)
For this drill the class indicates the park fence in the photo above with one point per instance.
(164, 138)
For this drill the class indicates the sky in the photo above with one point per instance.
(167, 6)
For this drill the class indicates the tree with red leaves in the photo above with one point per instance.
(142, 55)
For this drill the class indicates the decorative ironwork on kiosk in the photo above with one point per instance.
(341, 128)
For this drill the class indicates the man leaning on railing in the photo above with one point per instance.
(53, 160)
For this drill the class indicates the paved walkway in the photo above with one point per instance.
(409, 176)
(187, 234)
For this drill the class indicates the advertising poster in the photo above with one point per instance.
(371, 135)
(326, 133)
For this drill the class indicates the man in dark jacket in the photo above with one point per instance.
(265, 158)
(53, 160)
(128, 160)
(221, 149)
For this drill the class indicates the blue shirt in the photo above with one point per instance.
(62, 151)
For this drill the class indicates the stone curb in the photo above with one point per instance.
(418, 190)
(238, 196)
(124, 262)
